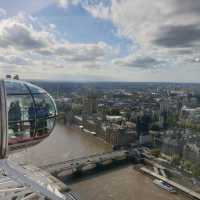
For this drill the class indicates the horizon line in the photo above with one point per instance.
(106, 81)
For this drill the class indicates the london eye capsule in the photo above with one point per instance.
(27, 115)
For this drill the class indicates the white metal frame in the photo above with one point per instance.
(27, 179)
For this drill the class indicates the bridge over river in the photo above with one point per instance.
(81, 164)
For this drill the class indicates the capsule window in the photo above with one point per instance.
(20, 108)
(35, 89)
(15, 87)
(21, 117)
(44, 106)
(31, 114)
(44, 126)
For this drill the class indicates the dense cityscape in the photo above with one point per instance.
(161, 116)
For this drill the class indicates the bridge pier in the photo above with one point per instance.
(99, 165)
(77, 171)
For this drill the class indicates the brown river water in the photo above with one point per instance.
(122, 183)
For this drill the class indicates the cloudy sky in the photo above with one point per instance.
(101, 40)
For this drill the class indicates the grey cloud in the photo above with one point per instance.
(178, 36)
(14, 60)
(140, 62)
(45, 52)
(183, 51)
(194, 60)
(187, 6)
(146, 63)
(36, 43)
(78, 52)
(19, 36)
(18, 61)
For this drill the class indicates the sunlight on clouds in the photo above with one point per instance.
(165, 43)
(66, 3)
(98, 10)
(163, 30)
(35, 48)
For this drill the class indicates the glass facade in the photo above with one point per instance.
(31, 113)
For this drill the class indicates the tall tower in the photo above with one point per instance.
(90, 102)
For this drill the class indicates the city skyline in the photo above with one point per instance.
(101, 40)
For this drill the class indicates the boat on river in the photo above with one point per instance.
(164, 185)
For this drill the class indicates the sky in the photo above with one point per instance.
(101, 40)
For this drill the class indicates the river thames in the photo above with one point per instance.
(122, 183)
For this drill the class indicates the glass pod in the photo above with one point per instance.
(28, 115)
